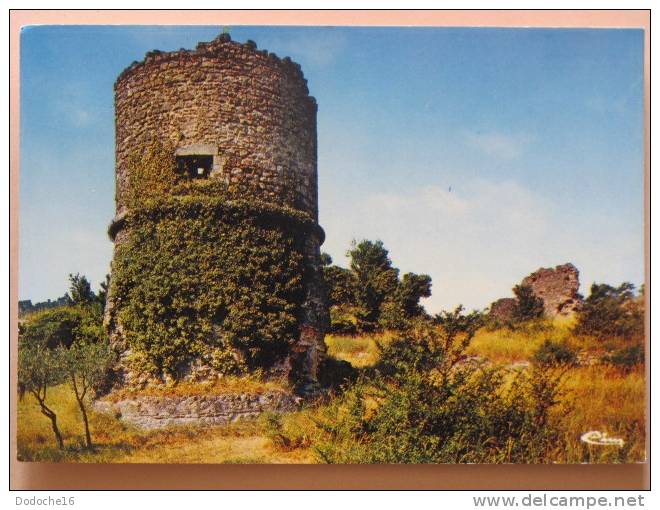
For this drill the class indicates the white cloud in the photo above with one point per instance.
(481, 238)
(504, 146)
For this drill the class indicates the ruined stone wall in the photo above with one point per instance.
(250, 109)
(558, 287)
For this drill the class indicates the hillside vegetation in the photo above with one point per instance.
(401, 386)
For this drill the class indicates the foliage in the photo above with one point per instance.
(151, 174)
(80, 290)
(102, 295)
(412, 288)
(56, 327)
(333, 373)
(39, 368)
(424, 403)
(87, 365)
(201, 277)
(375, 278)
(341, 284)
(342, 320)
(528, 306)
(627, 357)
(203, 274)
(551, 352)
(611, 312)
(371, 291)
(66, 343)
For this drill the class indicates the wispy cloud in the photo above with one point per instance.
(479, 240)
(505, 146)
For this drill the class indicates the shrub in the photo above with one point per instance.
(333, 373)
(626, 358)
(611, 312)
(342, 321)
(551, 353)
(340, 284)
(425, 403)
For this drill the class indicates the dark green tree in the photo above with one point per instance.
(376, 279)
(529, 306)
(612, 312)
(80, 290)
(102, 294)
(412, 288)
(54, 327)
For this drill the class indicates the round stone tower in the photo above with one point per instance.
(238, 129)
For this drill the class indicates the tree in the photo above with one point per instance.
(102, 295)
(612, 312)
(340, 284)
(375, 277)
(529, 306)
(54, 327)
(80, 290)
(71, 342)
(39, 368)
(86, 366)
(412, 288)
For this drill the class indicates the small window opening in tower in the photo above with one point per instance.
(194, 166)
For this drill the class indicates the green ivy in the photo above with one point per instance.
(202, 276)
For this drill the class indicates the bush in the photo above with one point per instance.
(554, 353)
(333, 373)
(626, 358)
(611, 312)
(342, 321)
(425, 404)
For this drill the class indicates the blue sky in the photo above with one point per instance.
(476, 155)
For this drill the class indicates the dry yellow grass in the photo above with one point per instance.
(360, 351)
(115, 441)
(598, 397)
(610, 400)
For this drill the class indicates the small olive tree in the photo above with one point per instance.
(86, 367)
(39, 368)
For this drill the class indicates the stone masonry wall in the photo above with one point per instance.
(558, 287)
(155, 412)
(250, 109)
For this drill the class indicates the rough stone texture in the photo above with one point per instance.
(154, 412)
(249, 109)
(557, 287)
(252, 112)
(503, 308)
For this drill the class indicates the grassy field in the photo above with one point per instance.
(597, 397)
